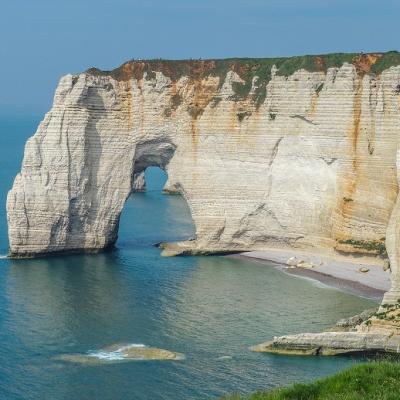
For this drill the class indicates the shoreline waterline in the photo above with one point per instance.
(334, 271)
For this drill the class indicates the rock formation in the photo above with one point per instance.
(139, 182)
(121, 353)
(297, 152)
(369, 332)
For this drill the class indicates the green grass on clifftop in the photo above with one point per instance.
(249, 68)
(372, 381)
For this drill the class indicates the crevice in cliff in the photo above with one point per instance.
(303, 119)
(329, 160)
(274, 151)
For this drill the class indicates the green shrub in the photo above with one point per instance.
(377, 246)
(246, 68)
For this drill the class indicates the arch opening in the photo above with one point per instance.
(150, 214)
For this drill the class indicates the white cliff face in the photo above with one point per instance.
(311, 166)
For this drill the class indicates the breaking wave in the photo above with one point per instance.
(114, 355)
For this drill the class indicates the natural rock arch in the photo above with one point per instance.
(306, 160)
(78, 171)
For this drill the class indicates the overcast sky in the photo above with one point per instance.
(40, 40)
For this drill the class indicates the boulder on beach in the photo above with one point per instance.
(305, 265)
(292, 261)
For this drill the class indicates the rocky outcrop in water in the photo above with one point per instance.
(297, 152)
(371, 332)
(332, 343)
(121, 353)
(139, 182)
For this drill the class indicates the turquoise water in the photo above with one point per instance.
(209, 308)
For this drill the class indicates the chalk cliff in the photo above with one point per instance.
(139, 182)
(297, 152)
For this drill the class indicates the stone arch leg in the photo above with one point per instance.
(77, 173)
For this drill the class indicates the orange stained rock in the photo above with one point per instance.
(364, 62)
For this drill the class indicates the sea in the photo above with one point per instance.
(210, 309)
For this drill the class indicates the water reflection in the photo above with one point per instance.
(54, 297)
(208, 308)
(226, 296)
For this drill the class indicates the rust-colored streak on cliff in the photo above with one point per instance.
(350, 177)
(355, 129)
(203, 92)
(313, 105)
(128, 102)
(364, 62)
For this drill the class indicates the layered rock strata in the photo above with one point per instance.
(370, 332)
(297, 153)
(332, 343)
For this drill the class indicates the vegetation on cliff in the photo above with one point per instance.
(372, 381)
(249, 68)
(372, 246)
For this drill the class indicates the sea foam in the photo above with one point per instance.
(114, 355)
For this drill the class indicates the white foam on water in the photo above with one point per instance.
(113, 355)
(107, 356)
(2, 256)
(225, 358)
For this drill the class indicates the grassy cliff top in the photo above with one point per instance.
(372, 381)
(248, 68)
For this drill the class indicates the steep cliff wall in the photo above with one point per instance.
(297, 152)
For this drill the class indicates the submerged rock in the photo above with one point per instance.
(121, 353)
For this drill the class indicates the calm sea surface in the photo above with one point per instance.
(209, 308)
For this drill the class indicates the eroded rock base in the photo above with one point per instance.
(371, 332)
(332, 343)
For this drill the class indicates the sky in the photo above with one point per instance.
(41, 40)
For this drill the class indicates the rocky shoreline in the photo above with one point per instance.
(374, 331)
(331, 343)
